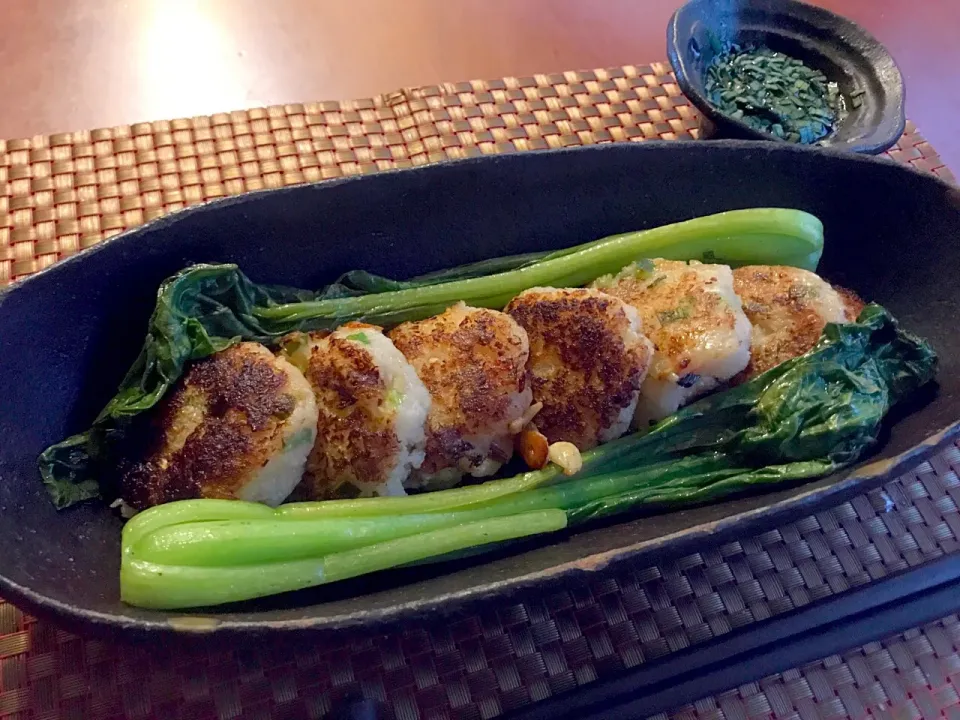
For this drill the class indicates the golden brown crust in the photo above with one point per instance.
(473, 362)
(787, 310)
(677, 311)
(852, 304)
(219, 425)
(580, 367)
(356, 438)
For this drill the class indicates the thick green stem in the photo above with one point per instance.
(165, 587)
(253, 542)
(189, 511)
(439, 501)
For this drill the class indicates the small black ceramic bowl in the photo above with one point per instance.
(866, 74)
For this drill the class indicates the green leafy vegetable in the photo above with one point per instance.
(774, 93)
(199, 311)
(360, 282)
(206, 308)
(804, 419)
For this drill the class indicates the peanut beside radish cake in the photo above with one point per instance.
(474, 363)
(588, 358)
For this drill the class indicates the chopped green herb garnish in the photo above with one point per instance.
(681, 312)
(643, 268)
(394, 397)
(774, 93)
(301, 437)
(360, 337)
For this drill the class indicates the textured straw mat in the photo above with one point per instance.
(906, 677)
(62, 193)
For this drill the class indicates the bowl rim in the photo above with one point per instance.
(884, 134)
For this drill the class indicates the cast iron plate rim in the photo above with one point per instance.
(854, 480)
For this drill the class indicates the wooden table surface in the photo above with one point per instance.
(79, 64)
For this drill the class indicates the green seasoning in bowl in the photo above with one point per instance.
(774, 93)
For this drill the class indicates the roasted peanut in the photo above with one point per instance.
(567, 456)
(533, 448)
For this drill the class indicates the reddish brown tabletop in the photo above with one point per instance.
(74, 64)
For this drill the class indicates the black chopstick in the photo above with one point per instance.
(833, 625)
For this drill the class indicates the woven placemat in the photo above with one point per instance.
(62, 193)
(911, 676)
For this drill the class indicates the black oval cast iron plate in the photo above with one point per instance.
(69, 333)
